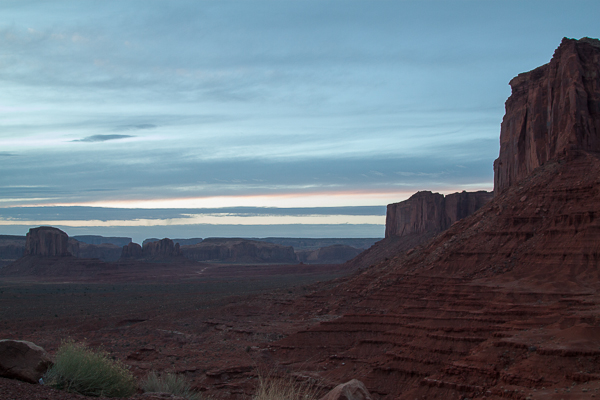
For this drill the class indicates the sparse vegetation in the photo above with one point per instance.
(275, 388)
(81, 370)
(170, 383)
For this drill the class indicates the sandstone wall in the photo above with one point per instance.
(427, 212)
(552, 110)
(46, 241)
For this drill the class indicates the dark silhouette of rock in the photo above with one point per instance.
(181, 242)
(239, 250)
(336, 254)
(12, 247)
(427, 212)
(98, 240)
(132, 250)
(23, 360)
(47, 241)
(161, 249)
(552, 110)
(462, 204)
(317, 243)
(104, 251)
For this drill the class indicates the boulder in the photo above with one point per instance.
(552, 111)
(46, 241)
(351, 390)
(23, 360)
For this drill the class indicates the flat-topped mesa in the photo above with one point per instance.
(427, 212)
(46, 241)
(553, 110)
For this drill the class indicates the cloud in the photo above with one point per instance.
(134, 127)
(102, 138)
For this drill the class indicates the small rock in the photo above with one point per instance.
(352, 390)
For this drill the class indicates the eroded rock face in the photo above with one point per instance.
(22, 360)
(427, 212)
(553, 110)
(47, 241)
(441, 320)
(132, 250)
(160, 249)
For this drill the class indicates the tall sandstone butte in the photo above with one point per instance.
(505, 303)
(46, 241)
(553, 110)
(427, 212)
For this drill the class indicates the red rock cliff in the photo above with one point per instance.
(552, 110)
(427, 212)
(46, 241)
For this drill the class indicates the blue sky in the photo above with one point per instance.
(182, 108)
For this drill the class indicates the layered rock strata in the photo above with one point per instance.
(552, 110)
(504, 303)
(427, 212)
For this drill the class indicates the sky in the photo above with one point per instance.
(256, 118)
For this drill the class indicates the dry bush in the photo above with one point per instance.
(169, 383)
(81, 370)
(275, 388)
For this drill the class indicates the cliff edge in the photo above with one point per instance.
(553, 110)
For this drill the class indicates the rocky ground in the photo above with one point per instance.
(215, 330)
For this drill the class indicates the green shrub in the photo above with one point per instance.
(169, 383)
(81, 370)
(273, 388)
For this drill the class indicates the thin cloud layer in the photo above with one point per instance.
(102, 138)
